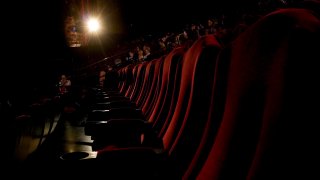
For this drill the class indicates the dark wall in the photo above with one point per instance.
(34, 46)
(32, 39)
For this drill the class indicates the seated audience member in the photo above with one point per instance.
(64, 84)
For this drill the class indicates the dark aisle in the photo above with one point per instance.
(68, 137)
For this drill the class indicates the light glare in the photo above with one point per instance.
(93, 25)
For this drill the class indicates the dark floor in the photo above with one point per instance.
(67, 137)
(46, 157)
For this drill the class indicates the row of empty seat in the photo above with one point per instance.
(245, 111)
(240, 112)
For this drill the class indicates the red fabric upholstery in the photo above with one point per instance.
(129, 91)
(194, 69)
(153, 94)
(215, 115)
(268, 128)
(191, 113)
(162, 105)
(126, 79)
(192, 109)
(138, 82)
(146, 83)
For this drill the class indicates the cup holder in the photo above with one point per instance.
(74, 156)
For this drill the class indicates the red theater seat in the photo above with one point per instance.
(268, 129)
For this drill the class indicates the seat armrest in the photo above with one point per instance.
(137, 153)
(114, 126)
(112, 98)
(127, 163)
(115, 113)
(112, 105)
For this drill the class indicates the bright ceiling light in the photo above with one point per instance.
(93, 25)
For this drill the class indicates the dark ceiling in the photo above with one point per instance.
(41, 23)
(35, 29)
